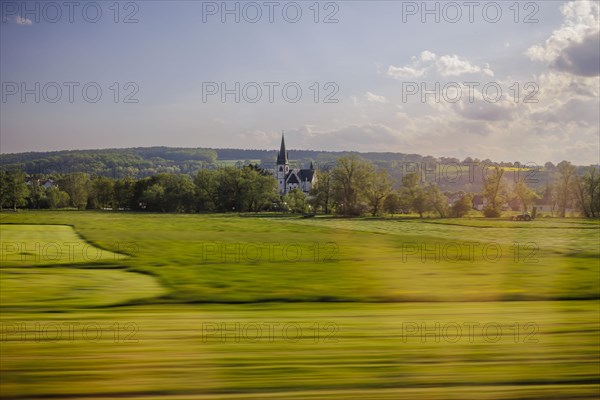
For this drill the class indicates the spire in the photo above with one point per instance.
(312, 167)
(282, 157)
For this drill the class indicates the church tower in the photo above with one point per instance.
(283, 167)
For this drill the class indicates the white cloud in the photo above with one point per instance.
(23, 21)
(574, 47)
(446, 65)
(405, 72)
(427, 56)
(373, 98)
(455, 66)
(487, 71)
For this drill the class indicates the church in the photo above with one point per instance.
(288, 179)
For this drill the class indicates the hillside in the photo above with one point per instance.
(146, 161)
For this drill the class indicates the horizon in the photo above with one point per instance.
(289, 150)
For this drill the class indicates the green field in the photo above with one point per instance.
(156, 306)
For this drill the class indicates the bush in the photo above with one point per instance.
(462, 206)
(490, 212)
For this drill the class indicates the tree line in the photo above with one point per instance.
(568, 191)
(351, 186)
(145, 162)
(227, 189)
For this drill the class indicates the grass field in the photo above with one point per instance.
(156, 306)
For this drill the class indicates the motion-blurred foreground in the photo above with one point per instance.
(108, 305)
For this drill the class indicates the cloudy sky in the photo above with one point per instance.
(491, 80)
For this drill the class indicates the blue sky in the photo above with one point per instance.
(366, 62)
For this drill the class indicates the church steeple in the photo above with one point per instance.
(282, 157)
(283, 168)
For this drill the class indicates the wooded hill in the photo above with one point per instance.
(142, 162)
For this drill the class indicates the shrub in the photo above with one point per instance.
(490, 212)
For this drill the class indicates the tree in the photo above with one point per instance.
(566, 177)
(414, 193)
(36, 193)
(3, 189)
(258, 188)
(179, 193)
(296, 201)
(124, 193)
(494, 190)
(462, 206)
(392, 203)
(57, 198)
(166, 193)
(77, 186)
(13, 189)
(229, 190)
(322, 192)
(102, 192)
(587, 192)
(377, 189)
(154, 198)
(524, 194)
(548, 195)
(206, 184)
(437, 200)
(351, 175)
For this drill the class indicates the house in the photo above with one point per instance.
(479, 202)
(49, 183)
(46, 185)
(289, 179)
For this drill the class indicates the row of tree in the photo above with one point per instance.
(352, 186)
(228, 189)
(355, 186)
(567, 191)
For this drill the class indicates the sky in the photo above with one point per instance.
(508, 81)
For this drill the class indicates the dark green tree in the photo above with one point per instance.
(77, 187)
(13, 189)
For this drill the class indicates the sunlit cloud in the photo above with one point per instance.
(446, 65)
(23, 21)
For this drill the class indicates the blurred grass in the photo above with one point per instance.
(366, 357)
(65, 287)
(27, 245)
(369, 358)
(363, 260)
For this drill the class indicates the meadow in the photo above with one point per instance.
(161, 306)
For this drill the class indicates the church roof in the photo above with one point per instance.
(306, 175)
(282, 157)
(300, 175)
